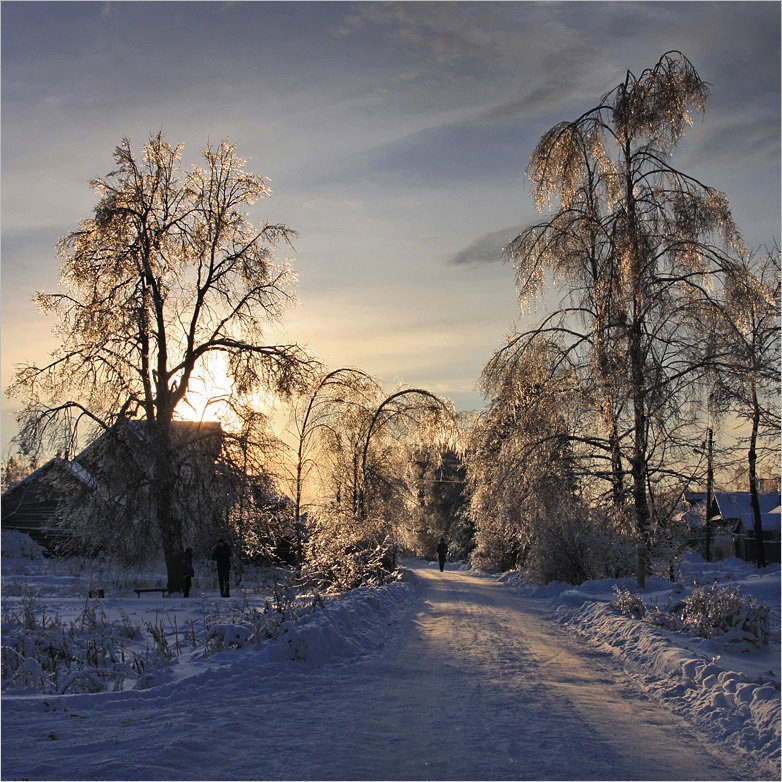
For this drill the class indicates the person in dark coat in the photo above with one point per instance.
(222, 555)
(187, 571)
(442, 550)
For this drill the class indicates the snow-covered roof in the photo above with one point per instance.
(737, 506)
(79, 472)
(695, 516)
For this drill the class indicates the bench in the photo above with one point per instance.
(162, 590)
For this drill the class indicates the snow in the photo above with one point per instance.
(79, 472)
(454, 675)
(730, 690)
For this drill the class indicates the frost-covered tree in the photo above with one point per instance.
(437, 481)
(256, 517)
(635, 241)
(365, 495)
(395, 419)
(14, 470)
(746, 356)
(526, 481)
(519, 453)
(315, 423)
(167, 272)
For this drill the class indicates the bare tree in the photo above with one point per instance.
(636, 240)
(746, 355)
(167, 272)
(317, 415)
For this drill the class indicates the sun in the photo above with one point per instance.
(209, 393)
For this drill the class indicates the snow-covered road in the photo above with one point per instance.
(470, 683)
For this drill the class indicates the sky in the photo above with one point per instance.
(395, 135)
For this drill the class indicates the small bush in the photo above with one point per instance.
(715, 611)
(625, 602)
(663, 618)
(242, 625)
(340, 557)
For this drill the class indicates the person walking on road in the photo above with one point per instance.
(222, 556)
(442, 550)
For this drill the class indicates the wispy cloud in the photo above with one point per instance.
(757, 137)
(487, 248)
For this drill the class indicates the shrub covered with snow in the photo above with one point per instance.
(17, 545)
(627, 603)
(716, 610)
(341, 555)
(244, 624)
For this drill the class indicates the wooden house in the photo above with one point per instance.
(731, 523)
(115, 467)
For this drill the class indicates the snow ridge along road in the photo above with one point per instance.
(471, 683)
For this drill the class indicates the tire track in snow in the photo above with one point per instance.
(480, 688)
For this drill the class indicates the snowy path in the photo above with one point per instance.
(472, 684)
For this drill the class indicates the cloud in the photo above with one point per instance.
(756, 137)
(486, 248)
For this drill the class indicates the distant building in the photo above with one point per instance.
(736, 509)
(33, 505)
(112, 468)
(732, 524)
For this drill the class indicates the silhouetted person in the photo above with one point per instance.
(187, 571)
(222, 555)
(442, 550)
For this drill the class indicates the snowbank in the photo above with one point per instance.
(21, 554)
(731, 691)
(353, 624)
(724, 702)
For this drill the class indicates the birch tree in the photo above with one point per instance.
(634, 239)
(747, 357)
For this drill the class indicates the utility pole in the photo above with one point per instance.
(709, 490)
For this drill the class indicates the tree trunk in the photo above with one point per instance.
(165, 507)
(709, 490)
(297, 516)
(617, 471)
(752, 458)
(638, 462)
(602, 342)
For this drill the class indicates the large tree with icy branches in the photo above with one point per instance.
(635, 241)
(168, 274)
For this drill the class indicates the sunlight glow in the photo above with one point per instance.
(210, 392)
